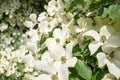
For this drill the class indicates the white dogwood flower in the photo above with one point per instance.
(57, 52)
(60, 36)
(52, 7)
(112, 58)
(32, 42)
(62, 4)
(112, 64)
(32, 23)
(53, 73)
(112, 43)
(61, 60)
(100, 38)
(28, 59)
(45, 27)
(42, 16)
(33, 17)
(32, 46)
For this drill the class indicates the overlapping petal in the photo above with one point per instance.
(93, 34)
(101, 59)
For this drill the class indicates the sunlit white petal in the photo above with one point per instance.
(33, 17)
(111, 44)
(63, 73)
(94, 46)
(50, 42)
(92, 33)
(28, 59)
(56, 52)
(101, 59)
(42, 16)
(29, 24)
(45, 66)
(69, 48)
(113, 67)
(32, 46)
(71, 62)
(59, 34)
(107, 31)
(42, 77)
(114, 40)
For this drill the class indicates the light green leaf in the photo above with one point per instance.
(83, 70)
(0, 55)
(105, 12)
(113, 12)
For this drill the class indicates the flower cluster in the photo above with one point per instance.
(45, 50)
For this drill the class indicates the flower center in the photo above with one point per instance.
(58, 40)
(49, 26)
(103, 38)
(63, 59)
(110, 55)
(54, 77)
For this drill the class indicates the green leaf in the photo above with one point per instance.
(77, 54)
(43, 50)
(83, 70)
(0, 55)
(105, 12)
(42, 40)
(97, 5)
(20, 68)
(75, 3)
(76, 49)
(113, 12)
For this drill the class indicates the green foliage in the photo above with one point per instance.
(0, 55)
(102, 8)
(75, 3)
(83, 70)
(20, 68)
(12, 77)
(97, 5)
(76, 49)
(113, 12)
(86, 67)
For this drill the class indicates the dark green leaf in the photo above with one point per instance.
(76, 49)
(96, 5)
(74, 3)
